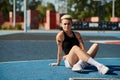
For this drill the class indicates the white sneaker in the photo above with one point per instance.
(76, 67)
(103, 69)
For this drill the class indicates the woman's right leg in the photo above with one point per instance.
(77, 56)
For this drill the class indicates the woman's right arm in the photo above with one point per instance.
(59, 40)
(59, 53)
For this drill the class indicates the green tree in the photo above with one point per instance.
(5, 7)
(50, 6)
(82, 8)
(33, 4)
(117, 8)
(108, 10)
(42, 10)
(88, 8)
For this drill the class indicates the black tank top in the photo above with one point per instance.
(69, 42)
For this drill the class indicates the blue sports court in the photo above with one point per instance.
(26, 56)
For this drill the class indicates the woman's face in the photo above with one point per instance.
(66, 24)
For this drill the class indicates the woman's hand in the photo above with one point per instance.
(54, 64)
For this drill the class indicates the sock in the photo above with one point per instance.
(79, 62)
(94, 63)
(82, 64)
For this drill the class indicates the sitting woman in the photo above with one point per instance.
(76, 56)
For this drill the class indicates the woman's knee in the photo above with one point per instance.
(96, 45)
(75, 47)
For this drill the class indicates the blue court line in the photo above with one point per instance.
(40, 70)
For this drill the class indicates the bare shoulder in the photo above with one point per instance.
(60, 35)
(77, 34)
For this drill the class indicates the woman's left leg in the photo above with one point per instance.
(93, 50)
(81, 55)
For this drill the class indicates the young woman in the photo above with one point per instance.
(76, 56)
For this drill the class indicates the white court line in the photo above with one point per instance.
(103, 41)
(26, 61)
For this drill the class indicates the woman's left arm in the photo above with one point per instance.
(81, 43)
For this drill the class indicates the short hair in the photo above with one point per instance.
(66, 17)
